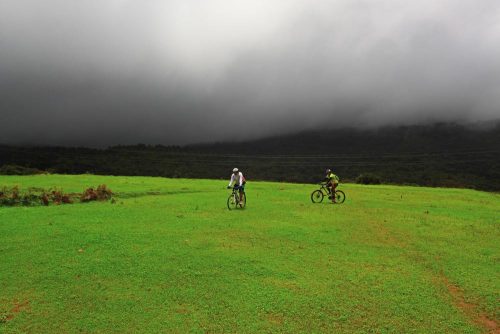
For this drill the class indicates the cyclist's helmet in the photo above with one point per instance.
(328, 171)
(235, 170)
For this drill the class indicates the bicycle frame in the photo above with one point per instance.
(235, 198)
(324, 189)
(236, 193)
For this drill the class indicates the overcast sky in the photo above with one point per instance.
(104, 72)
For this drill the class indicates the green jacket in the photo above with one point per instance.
(332, 178)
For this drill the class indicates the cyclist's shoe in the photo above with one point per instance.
(329, 197)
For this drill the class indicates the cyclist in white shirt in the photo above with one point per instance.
(239, 181)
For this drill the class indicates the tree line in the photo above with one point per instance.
(444, 155)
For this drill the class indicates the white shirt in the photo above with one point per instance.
(238, 178)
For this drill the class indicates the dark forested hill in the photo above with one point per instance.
(434, 155)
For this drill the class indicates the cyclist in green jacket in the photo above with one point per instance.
(332, 181)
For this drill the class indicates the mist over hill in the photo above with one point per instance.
(437, 137)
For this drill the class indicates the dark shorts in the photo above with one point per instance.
(333, 185)
(240, 188)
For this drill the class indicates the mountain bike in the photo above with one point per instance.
(318, 195)
(234, 201)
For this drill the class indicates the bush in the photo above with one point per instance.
(9, 197)
(18, 170)
(14, 197)
(38, 196)
(368, 178)
(58, 197)
(102, 193)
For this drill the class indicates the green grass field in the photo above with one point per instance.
(168, 257)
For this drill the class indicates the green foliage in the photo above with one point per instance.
(18, 170)
(33, 196)
(39, 196)
(441, 155)
(169, 257)
(368, 178)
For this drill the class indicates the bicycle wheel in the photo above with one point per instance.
(317, 196)
(232, 202)
(339, 196)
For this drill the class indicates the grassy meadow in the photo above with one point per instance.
(169, 257)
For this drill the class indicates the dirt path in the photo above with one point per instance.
(18, 307)
(384, 235)
(469, 309)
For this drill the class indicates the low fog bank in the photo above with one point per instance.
(99, 73)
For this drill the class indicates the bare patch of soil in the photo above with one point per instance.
(470, 309)
(381, 234)
(18, 307)
(275, 319)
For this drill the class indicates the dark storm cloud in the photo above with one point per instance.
(116, 71)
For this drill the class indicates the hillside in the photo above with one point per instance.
(446, 155)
